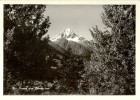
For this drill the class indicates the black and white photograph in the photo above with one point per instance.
(69, 49)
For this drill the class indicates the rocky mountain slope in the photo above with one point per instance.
(67, 39)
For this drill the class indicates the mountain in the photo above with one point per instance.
(69, 35)
(67, 39)
(57, 48)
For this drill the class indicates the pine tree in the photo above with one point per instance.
(24, 51)
(69, 73)
(123, 29)
(112, 66)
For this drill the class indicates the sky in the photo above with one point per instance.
(79, 18)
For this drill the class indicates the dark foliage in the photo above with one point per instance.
(24, 51)
(112, 66)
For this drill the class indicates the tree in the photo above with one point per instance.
(24, 51)
(69, 73)
(123, 27)
(112, 65)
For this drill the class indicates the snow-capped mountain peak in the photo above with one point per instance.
(67, 32)
(68, 39)
(69, 35)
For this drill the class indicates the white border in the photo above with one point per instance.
(74, 97)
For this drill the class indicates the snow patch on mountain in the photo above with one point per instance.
(76, 39)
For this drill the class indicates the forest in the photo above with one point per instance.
(33, 67)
